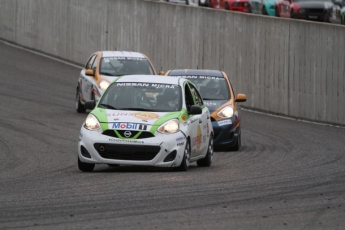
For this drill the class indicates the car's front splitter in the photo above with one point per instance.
(163, 150)
(226, 132)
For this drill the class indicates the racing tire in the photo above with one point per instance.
(277, 12)
(186, 158)
(78, 105)
(85, 167)
(264, 11)
(238, 144)
(206, 162)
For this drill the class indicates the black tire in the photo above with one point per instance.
(78, 105)
(292, 15)
(264, 11)
(277, 12)
(85, 167)
(187, 2)
(207, 161)
(209, 3)
(186, 158)
(238, 144)
(227, 6)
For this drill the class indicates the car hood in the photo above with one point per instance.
(213, 105)
(315, 4)
(136, 120)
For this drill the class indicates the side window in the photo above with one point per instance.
(188, 96)
(196, 95)
(89, 63)
(95, 63)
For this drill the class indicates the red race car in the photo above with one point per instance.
(237, 5)
(283, 8)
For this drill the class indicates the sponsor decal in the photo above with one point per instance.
(204, 139)
(107, 59)
(180, 144)
(196, 141)
(183, 117)
(146, 115)
(194, 120)
(139, 115)
(180, 139)
(224, 122)
(127, 126)
(210, 103)
(200, 77)
(126, 141)
(150, 85)
(207, 130)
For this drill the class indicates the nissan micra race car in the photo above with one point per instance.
(102, 68)
(218, 95)
(149, 121)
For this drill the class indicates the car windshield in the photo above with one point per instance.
(211, 87)
(118, 66)
(141, 96)
(311, 0)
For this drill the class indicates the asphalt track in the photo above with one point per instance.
(288, 175)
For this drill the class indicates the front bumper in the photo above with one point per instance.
(163, 150)
(226, 132)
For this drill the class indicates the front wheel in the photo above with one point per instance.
(85, 167)
(206, 162)
(238, 144)
(264, 11)
(186, 158)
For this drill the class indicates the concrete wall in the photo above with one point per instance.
(288, 67)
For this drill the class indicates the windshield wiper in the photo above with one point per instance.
(107, 74)
(140, 109)
(107, 106)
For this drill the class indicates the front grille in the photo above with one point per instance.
(315, 12)
(127, 152)
(143, 134)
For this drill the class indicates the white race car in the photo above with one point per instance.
(190, 2)
(149, 121)
(102, 68)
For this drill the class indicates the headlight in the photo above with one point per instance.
(169, 127)
(301, 11)
(104, 85)
(92, 123)
(226, 112)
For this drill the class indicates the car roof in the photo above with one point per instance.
(151, 79)
(196, 72)
(122, 54)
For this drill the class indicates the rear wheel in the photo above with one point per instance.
(206, 162)
(186, 158)
(85, 167)
(78, 105)
(264, 11)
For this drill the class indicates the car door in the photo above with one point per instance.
(200, 137)
(86, 80)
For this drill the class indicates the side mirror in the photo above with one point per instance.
(89, 72)
(90, 105)
(161, 73)
(241, 97)
(195, 109)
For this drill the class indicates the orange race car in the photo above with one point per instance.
(218, 95)
(105, 66)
